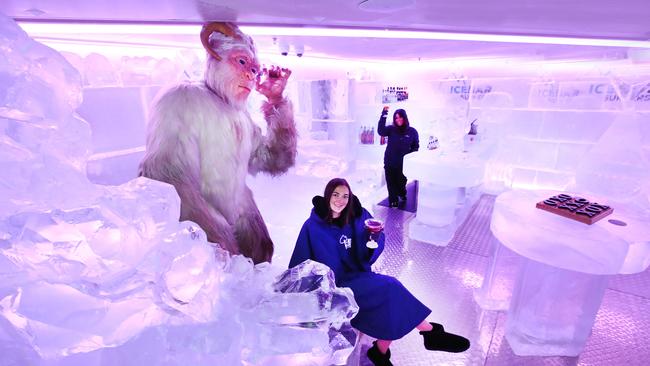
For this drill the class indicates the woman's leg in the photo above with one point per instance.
(402, 184)
(379, 353)
(383, 345)
(425, 326)
(391, 184)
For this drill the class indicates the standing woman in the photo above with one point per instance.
(402, 139)
(335, 235)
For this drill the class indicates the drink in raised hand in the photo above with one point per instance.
(374, 227)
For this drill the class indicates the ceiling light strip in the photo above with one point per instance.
(404, 34)
(192, 29)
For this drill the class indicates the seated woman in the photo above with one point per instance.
(335, 235)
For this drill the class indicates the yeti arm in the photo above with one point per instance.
(275, 153)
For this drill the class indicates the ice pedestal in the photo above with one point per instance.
(499, 280)
(447, 189)
(553, 310)
(438, 207)
(564, 267)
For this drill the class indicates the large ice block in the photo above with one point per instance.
(552, 310)
(500, 277)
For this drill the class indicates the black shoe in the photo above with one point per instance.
(393, 204)
(439, 340)
(378, 358)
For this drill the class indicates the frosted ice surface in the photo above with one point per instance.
(600, 248)
(449, 169)
(43, 145)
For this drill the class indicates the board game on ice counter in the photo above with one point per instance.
(576, 208)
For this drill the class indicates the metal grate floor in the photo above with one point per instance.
(444, 278)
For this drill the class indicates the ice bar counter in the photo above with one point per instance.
(563, 270)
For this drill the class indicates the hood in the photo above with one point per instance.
(321, 208)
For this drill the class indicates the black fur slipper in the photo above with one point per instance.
(378, 358)
(439, 340)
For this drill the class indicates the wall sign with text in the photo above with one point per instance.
(394, 94)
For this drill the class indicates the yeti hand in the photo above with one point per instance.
(271, 83)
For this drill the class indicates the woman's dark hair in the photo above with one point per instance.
(348, 212)
(402, 114)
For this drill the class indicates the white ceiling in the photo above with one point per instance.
(620, 19)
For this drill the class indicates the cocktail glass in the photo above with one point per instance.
(374, 227)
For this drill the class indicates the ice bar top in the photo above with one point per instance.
(576, 208)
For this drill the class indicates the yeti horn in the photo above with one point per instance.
(220, 27)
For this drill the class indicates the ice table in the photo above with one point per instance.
(564, 269)
(447, 187)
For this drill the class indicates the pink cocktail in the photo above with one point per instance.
(374, 227)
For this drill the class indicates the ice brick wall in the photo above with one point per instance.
(545, 131)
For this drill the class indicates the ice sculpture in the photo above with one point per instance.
(43, 145)
(70, 293)
(98, 275)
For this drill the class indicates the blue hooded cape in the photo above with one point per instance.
(387, 310)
